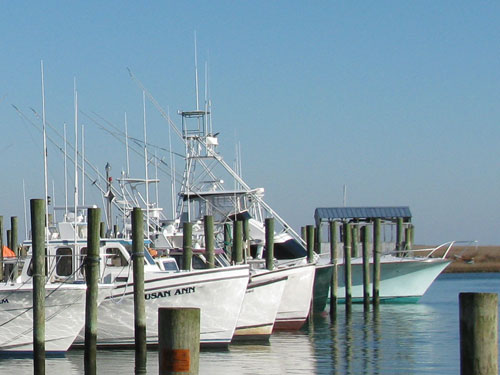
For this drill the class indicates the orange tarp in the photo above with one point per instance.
(8, 253)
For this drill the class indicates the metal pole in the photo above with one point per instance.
(139, 300)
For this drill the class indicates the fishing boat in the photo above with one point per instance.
(404, 276)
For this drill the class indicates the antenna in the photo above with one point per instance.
(76, 156)
(345, 195)
(65, 176)
(46, 185)
(83, 164)
(25, 215)
(196, 73)
(172, 169)
(126, 145)
(146, 163)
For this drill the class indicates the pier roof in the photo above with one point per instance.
(349, 213)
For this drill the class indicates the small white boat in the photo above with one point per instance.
(260, 307)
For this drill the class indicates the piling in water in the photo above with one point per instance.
(399, 234)
(179, 340)
(92, 279)
(102, 229)
(139, 300)
(376, 261)
(238, 242)
(208, 226)
(318, 239)
(187, 246)
(333, 260)
(347, 264)
(365, 236)
(355, 241)
(37, 207)
(478, 333)
(227, 239)
(246, 239)
(310, 243)
(269, 225)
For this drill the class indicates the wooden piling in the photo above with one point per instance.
(102, 229)
(15, 245)
(399, 234)
(208, 226)
(318, 239)
(37, 208)
(347, 264)
(365, 237)
(269, 225)
(115, 231)
(408, 243)
(139, 300)
(179, 340)
(310, 243)
(355, 241)
(303, 233)
(478, 333)
(227, 239)
(376, 261)
(333, 259)
(246, 240)
(187, 246)
(92, 279)
(238, 242)
(1, 249)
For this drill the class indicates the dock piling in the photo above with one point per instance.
(187, 246)
(365, 236)
(269, 225)
(208, 226)
(376, 261)
(310, 243)
(92, 279)
(238, 242)
(347, 265)
(478, 333)
(179, 340)
(139, 300)
(37, 208)
(333, 260)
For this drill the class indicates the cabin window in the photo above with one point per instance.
(30, 267)
(115, 258)
(83, 255)
(64, 261)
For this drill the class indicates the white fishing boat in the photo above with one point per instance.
(403, 278)
(260, 307)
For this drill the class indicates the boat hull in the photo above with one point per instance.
(296, 300)
(260, 307)
(401, 280)
(217, 292)
(64, 317)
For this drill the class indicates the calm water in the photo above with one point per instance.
(420, 338)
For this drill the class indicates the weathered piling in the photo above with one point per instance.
(246, 239)
(92, 279)
(303, 233)
(238, 242)
(227, 239)
(115, 231)
(399, 234)
(179, 340)
(187, 246)
(269, 225)
(102, 229)
(478, 333)
(355, 241)
(376, 261)
(1, 249)
(37, 208)
(333, 260)
(208, 226)
(408, 242)
(310, 243)
(347, 264)
(139, 300)
(365, 237)
(318, 239)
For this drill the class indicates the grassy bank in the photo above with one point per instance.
(473, 259)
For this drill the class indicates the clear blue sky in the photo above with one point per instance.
(398, 100)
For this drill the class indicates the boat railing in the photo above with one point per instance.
(443, 249)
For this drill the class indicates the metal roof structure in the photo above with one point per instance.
(349, 213)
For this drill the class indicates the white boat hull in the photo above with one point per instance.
(296, 299)
(64, 317)
(217, 292)
(401, 279)
(260, 307)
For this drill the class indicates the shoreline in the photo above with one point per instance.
(467, 259)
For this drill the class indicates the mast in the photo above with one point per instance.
(83, 165)
(126, 145)
(65, 176)
(76, 160)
